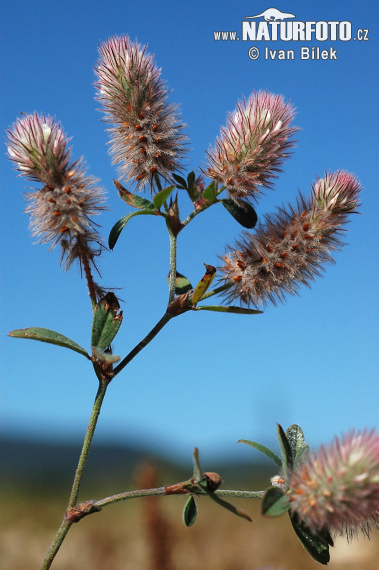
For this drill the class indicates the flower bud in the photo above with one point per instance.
(252, 146)
(61, 210)
(338, 486)
(146, 137)
(291, 247)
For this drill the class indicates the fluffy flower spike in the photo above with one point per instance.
(291, 247)
(253, 145)
(61, 210)
(146, 136)
(338, 486)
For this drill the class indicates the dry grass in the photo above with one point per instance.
(127, 536)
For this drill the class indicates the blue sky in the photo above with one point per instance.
(208, 379)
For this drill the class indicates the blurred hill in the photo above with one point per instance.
(30, 465)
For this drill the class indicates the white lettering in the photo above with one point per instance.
(248, 31)
(310, 28)
(298, 31)
(322, 31)
(345, 31)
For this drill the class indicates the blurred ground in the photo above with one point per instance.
(148, 534)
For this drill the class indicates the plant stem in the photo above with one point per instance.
(66, 524)
(162, 491)
(173, 245)
(195, 212)
(90, 281)
(144, 342)
(223, 287)
(87, 443)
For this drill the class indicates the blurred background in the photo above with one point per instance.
(208, 379)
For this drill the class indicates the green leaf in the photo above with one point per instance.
(316, 544)
(191, 178)
(243, 212)
(192, 190)
(133, 199)
(182, 284)
(204, 283)
(225, 504)
(119, 226)
(263, 449)
(181, 183)
(190, 511)
(210, 193)
(107, 320)
(297, 443)
(236, 310)
(275, 502)
(287, 458)
(103, 356)
(49, 336)
(197, 471)
(160, 198)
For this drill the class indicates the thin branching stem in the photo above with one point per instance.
(56, 544)
(162, 491)
(195, 212)
(217, 290)
(66, 524)
(173, 245)
(144, 342)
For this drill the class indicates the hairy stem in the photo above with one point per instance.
(66, 524)
(144, 342)
(195, 212)
(89, 278)
(220, 289)
(173, 244)
(162, 491)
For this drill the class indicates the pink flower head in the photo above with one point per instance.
(253, 145)
(291, 247)
(146, 137)
(338, 486)
(61, 210)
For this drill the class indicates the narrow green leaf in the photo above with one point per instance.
(225, 504)
(190, 511)
(316, 544)
(287, 458)
(181, 183)
(243, 212)
(197, 471)
(210, 193)
(297, 443)
(236, 310)
(133, 200)
(204, 283)
(119, 226)
(107, 320)
(182, 284)
(263, 449)
(49, 336)
(160, 198)
(275, 502)
(103, 356)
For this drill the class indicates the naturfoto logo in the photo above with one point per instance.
(275, 27)
(272, 15)
(272, 25)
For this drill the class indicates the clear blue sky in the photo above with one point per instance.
(208, 379)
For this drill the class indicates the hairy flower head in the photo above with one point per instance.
(146, 136)
(253, 145)
(337, 487)
(61, 210)
(291, 247)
